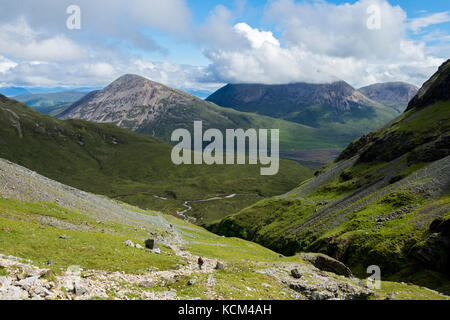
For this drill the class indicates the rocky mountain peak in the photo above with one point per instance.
(390, 91)
(130, 101)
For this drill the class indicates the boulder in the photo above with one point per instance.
(434, 251)
(79, 290)
(440, 226)
(326, 263)
(151, 244)
(295, 273)
(220, 266)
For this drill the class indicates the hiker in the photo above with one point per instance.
(200, 263)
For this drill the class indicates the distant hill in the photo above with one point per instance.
(105, 159)
(316, 105)
(144, 106)
(13, 91)
(385, 201)
(48, 103)
(393, 94)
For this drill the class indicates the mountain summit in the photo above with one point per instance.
(315, 105)
(131, 101)
(392, 94)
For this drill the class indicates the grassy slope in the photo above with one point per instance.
(326, 127)
(104, 159)
(357, 236)
(30, 236)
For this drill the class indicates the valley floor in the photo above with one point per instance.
(82, 246)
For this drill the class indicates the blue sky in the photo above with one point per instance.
(199, 45)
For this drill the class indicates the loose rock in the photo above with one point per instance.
(296, 273)
(129, 243)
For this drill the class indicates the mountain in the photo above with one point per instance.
(434, 90)
(385, 201)
(144, 106)
(393, 94)
(316, 105)
(52, 232)
(13, 91)
(50, 103)
(105, 159)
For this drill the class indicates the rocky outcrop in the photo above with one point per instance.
(314, 284)
(434, 252)
(326, 263)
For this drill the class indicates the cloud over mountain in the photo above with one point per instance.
(295, 42)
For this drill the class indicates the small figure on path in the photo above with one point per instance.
(200, 263)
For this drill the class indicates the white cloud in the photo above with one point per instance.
(170, 15)
(104, 21)
(19, 41)
(436, 18)
(323, 42)
(311, 41)
(6, 64)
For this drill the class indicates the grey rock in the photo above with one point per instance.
(129, 243)
(79, 290)
(191, 282)
(326, 263)
(27, 281)
(390, 296)
(139, 246)
(220, 266)
(322, 295)
(146, 284)
(295, 273)
(151, 244)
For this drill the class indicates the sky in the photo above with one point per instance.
(200, 45)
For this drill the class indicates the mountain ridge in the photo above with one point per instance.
(336, 105)
(396, 95)
(144, 106)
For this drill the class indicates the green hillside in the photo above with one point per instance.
(85, 247)
(385, 201)
(336, 108)
(105, 159)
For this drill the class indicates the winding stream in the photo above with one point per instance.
(189, 208)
